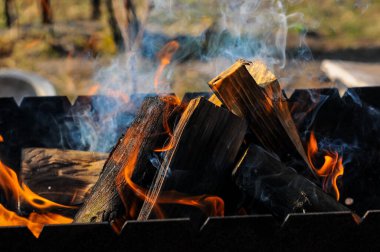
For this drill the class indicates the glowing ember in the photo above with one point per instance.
(331, 169)
(1, 139)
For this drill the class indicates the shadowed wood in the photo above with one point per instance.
(265, 180)
(133, 151)
(251, 91)
(205, 144)
(64, 176)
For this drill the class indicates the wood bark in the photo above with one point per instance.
(205, 144)
(64, 176)
(251, 91)
(46, 11)
(114, 195)
(265, 180)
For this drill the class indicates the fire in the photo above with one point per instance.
(164, 55)
(15, 192)
(210, 205)
(331, 169)
(169, 100)
(1, 139)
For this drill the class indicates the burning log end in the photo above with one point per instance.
(250, 90)
(263, 178)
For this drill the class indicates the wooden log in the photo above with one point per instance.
(127, 168)
(265, 180)
(251, 91)
(205, 144)
(64, 176)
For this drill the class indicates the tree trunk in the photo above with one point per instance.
(116, 33)
(47, 12)
(96, 11)
(9, 12)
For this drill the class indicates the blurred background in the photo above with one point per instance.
(75, 45)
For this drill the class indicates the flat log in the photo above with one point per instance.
(250, 90)
(64, 176)
(265, 180)
(205, 144)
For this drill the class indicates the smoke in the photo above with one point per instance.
(211, 35)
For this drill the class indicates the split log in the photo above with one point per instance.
(205, 144)
(265, 180)
(251, 91)
(64, 176)
(129, 161)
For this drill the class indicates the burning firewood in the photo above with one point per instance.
(205, 144)
(64, 176)
(251, 91)
(131, 157)
(267, 181)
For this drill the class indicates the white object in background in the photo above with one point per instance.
(352, 74)
(19, 84)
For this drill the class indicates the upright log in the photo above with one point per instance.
(251, 91)
(129, 162)
(64, 176)
(205, 144)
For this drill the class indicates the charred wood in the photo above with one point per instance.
(205, 144)
(266, 181)
(132, 153)
(64, 176)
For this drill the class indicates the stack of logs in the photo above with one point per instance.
(217, 155)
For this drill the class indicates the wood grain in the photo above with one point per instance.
(64, 176)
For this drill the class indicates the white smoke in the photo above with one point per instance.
(212, 35)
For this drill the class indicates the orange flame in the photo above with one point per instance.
(210, 205)
(169, 100)
(35, 222)
(1, 139)
(14, 191)
(331, 169)
(164, 55)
